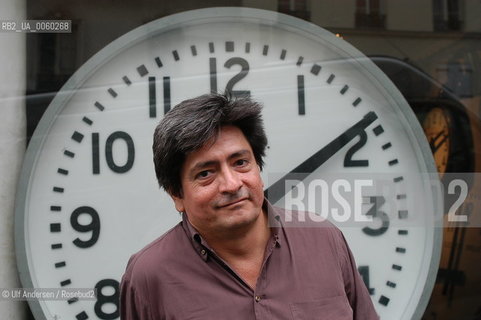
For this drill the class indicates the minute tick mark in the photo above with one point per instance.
(142, 70)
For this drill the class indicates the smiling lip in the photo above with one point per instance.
(232, 203)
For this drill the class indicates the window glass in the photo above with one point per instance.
(429, 49)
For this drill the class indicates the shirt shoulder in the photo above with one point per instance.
(154, 256)
(151, 273)
(314, 233)
(307, 223)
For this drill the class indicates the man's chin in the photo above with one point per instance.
(240, 219)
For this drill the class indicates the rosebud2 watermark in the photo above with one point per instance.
(378, 201)
(344, 208)
(25, 294)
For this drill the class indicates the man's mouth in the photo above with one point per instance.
(232, 203)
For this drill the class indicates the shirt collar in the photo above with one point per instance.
(200, 245)
(274, 220)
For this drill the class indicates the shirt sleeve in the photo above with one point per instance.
(355, 288)
(132, 305)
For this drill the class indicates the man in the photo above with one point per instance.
(232, 257)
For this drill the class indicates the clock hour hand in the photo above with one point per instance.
(277, 190)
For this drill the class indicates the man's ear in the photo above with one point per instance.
(179, 203)
(260, 170)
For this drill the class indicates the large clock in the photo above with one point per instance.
(88, 198)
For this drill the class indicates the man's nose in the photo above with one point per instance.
(230, 182)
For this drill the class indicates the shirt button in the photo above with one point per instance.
(258, 298)
(202, 252)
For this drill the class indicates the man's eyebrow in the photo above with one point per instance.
(201, 165)
(240, 153)
(205, 164)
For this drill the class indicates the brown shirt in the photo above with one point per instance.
(307, 273)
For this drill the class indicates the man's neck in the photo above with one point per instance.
(244, 249)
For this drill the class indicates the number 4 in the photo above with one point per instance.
(364, 271)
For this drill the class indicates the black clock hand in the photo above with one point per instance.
(435, 143)
(277, 190)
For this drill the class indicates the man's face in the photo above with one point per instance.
(221, 185)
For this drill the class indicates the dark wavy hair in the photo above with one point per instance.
(193, 123)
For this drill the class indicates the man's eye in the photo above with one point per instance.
(241, 162)
(203, 174)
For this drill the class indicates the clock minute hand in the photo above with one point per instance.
(277, 190)
(438, 141)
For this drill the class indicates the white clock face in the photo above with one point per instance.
(89, 199)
